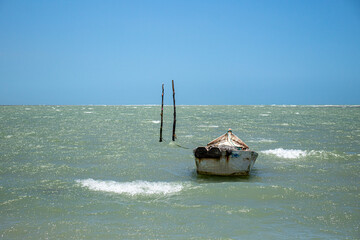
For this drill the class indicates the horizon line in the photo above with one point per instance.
(290, 105)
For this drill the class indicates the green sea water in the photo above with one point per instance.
(100, 172)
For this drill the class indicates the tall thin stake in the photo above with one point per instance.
(162, 112)
(174, 125)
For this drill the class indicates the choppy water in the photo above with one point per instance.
(99, 172)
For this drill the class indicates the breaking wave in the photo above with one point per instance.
(262, 140)
(132, 188)
(208, 126)
(286, 153)
(294, 153)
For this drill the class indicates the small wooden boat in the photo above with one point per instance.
(226, 155)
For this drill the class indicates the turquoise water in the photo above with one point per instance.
(99, 172)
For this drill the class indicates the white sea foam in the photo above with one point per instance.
(264, 114)
(328, 123)
(241, 210)
(155, 121)
(132, 188)
(208, 126)
(286, 153)
(294, 153)
(262, 140)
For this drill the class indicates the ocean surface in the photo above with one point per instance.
(100, 172)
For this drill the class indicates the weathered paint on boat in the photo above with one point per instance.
(238, 163)
(226, 155)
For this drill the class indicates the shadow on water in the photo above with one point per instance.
(253, 177)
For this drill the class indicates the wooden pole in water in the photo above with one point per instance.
(162, 112)
(174, 124)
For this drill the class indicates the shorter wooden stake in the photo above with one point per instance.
(162, 112)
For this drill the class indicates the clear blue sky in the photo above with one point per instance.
(218, 52)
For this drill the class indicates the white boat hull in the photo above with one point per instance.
(237, 163)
